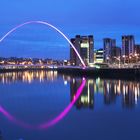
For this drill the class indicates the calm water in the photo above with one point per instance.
(45, 105)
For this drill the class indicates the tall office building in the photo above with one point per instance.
(85, 46)
(116, 52)
(108, 45)
(128, 45)
(137, 49)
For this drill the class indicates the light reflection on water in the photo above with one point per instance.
(28, 76)
(119, 94)
(52, 122)
(111, 89)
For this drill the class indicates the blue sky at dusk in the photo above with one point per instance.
(102, 18)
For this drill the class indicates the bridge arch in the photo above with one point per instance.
(50, 25)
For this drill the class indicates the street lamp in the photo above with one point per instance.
(119, 59)
(124, 59)
(130, 59)
(107, 59)
(136, 55)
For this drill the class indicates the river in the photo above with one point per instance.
(44, 105)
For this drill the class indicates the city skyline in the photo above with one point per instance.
(38, 46)
(69, 70)
(82, 48)
(106, 19)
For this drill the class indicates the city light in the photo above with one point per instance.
(50, 25)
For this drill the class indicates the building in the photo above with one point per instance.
(99, 56)
(108, 45)
(85, 46)
(137, 49)
(116, 52)
(128, 45)
(115, 55)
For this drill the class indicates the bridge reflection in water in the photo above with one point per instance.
(41, 76)
(1, 138)
(89, 95)
(128, 91)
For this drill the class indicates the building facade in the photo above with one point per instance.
(108, 44)
(116, 52)
(116, 55)
(99, 56)
(137, 49)
(85, 46)
(128, 45)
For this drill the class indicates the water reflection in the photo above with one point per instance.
(28, 76)
(86, 99)
(1, 138)
(67, 109)
(14, 119)
(80, 94)
(47, 124)
(129, 91)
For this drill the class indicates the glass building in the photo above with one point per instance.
(128, 45)
(85, 47)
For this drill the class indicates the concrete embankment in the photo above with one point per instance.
(104, 73)
(88, 72)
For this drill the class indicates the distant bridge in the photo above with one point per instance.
(50, 25)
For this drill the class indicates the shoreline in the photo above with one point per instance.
(122, 74)
(128, 74)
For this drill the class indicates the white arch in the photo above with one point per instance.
(45, 23)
